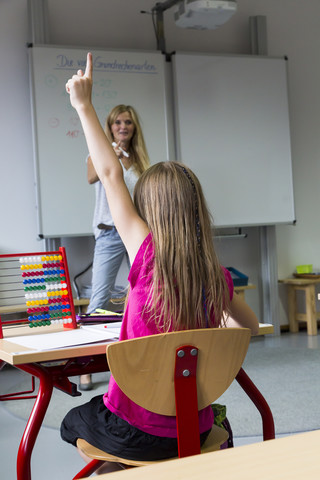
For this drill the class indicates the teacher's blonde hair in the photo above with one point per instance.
(137, 149)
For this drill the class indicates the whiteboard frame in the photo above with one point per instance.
(152, 107)
(197, 122)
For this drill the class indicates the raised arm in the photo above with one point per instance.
(91, 173)
(242, 315)
(130, 226)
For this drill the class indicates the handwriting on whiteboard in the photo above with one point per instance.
(99, 63)
(109, 70)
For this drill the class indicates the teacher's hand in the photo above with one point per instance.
(119, 151)
(79, 86)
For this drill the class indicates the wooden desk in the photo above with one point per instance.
(74, 361)
(241, 290)
(310, 316)
(265, 329)
(64, 363)
(8, 349)
(288, 458)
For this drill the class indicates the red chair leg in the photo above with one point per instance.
(254, 394)
(89, 469)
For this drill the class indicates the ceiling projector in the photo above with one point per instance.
(204, 14)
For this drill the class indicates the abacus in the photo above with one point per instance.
(42, 281)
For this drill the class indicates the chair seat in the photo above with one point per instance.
(216, 438)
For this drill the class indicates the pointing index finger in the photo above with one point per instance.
(88, 71)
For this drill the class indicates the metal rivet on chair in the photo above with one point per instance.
(186, 373)
(194, 352)
(180, 353)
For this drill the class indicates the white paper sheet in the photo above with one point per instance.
(69, 338)
(112, 327)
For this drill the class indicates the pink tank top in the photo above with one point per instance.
(133, 325)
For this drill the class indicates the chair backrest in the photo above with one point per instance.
(144, 367)
(179, 373)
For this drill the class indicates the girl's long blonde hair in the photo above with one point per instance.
(189, 287)
(137, 150)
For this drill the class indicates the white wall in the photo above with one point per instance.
(17, 193)
(293, 30)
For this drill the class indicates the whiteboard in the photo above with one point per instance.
(65, 200)
(232, 125)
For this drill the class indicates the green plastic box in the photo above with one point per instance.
(304, 268)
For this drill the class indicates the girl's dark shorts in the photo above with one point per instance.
(97, 425)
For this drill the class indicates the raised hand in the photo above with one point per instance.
(79, 86)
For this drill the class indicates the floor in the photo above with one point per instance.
(52, 459)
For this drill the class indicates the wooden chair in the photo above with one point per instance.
(175, 374)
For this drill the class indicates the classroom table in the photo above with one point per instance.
(289, 458)
(53, 367)
(241, 290)
(62, 363)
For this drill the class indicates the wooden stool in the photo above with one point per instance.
(308, 286)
